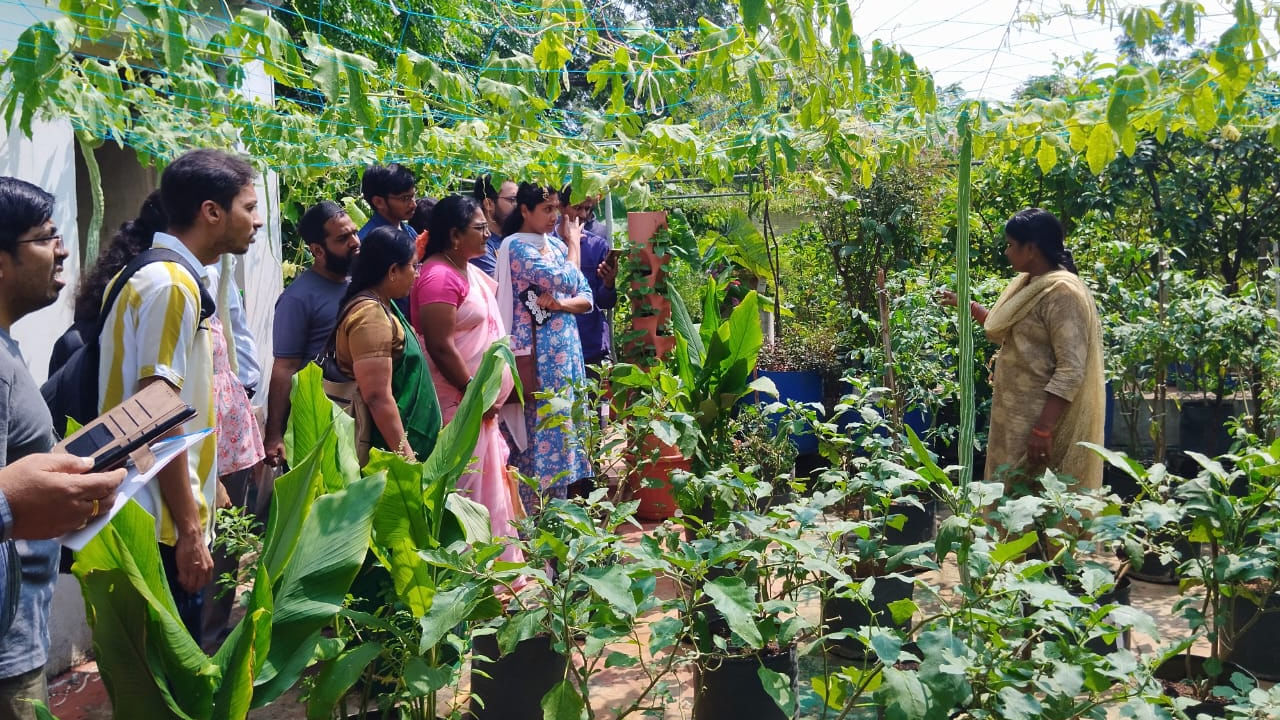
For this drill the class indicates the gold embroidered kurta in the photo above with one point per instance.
(1050, 342)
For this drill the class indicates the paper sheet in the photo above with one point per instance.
(134, 481)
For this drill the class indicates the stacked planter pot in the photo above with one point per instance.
(652, 311)
(650, 480)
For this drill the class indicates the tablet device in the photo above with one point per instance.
(133, 424)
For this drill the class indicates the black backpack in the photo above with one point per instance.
(72, 389)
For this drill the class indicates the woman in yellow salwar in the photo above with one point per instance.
(1047, 388)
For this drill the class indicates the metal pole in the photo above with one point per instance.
(608, 216)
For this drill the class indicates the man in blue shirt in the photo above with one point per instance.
(497, 205)
(391, 190)
(307, 311)
(600, 267)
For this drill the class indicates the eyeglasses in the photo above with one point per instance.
(405, 197)
(482, 227)
(508, 198)
(44, 240)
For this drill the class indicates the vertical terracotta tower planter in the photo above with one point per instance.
(652, 312)
(651, 309)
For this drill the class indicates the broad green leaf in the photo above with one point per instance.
(331, 548)
(448, 609)
(403, 525)
(316, 422)
(887, 646)
(684, 326)
(902, 695)
(149, 663)
(42, 711)
(337, 677)
(1046, 157)
(1016, 704)
(764, 386)
(903, 610)
(175, 39)
(1006, 551)
(562, 702)
(754, 13)
(746, 245)
(621, 659)
(614, 585)
(472, 517)
(243, 653)
(780, 687)
(263, 37)
(291, 500)
(734, 599)
(456, 444)
(1101, 149)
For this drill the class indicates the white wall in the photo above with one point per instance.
(259, 273)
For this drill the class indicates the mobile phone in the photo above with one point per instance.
(614, 254)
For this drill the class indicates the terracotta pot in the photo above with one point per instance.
(642, 225)
(652, 307)
(649, 324)
(641, 228)
(656, 503)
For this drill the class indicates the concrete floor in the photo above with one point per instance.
(80, 695)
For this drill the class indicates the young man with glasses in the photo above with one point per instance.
(31, 257)
(391, 191)
(497, 205)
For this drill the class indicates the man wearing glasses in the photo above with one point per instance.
(497, 205)
(31, 257)
(391, 191)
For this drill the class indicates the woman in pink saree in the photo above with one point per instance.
(455, 312)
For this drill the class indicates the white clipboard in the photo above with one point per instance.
(165, 451)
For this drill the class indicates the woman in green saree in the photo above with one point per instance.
(375, 344)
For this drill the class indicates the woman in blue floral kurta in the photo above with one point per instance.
(535, 259)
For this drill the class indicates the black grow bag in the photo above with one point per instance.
(516, 681)
(729, 688)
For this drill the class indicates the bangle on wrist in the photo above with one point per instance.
(1041, 433)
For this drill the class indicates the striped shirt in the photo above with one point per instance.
(154, 330)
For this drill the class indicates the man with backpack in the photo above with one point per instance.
(31, 256)
(155, 329)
